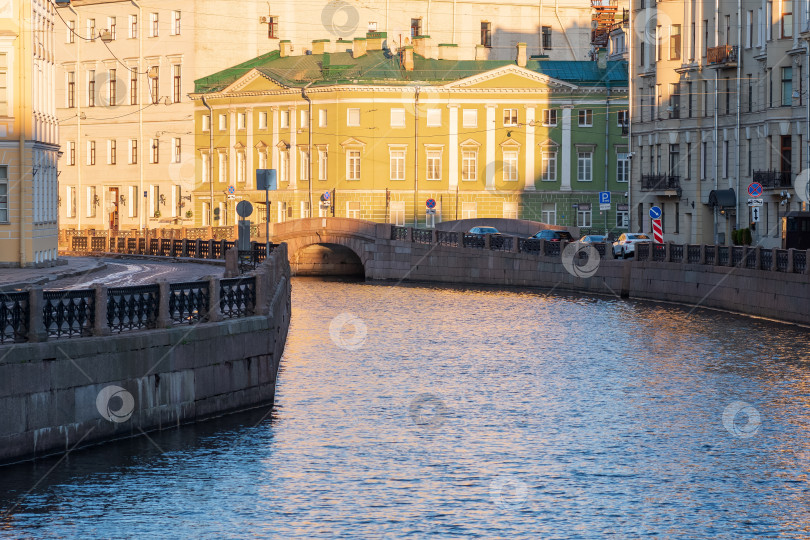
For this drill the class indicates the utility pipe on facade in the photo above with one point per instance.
(737, 127)
(309, 150)
(415, 153)
(807, 100)
(21, 61)
(140, 71)
(607, 143)
(630, 107)
(210, 161)
(716, 138)
(77, 153)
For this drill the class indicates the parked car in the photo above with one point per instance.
(481, 231)
(625, 245)
(552, 235)
(593, 239)
(496, 239)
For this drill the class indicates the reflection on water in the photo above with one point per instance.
(409, 411)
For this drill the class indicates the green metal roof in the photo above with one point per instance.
(383, 68)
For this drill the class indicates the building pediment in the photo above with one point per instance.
(510, 144)
(351, 142)
(253, 81)
(511, 77)
(470, 142)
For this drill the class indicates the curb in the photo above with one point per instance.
(62, 275)
(158, 258)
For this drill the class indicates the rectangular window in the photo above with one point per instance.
(705, 37)
(549, 213)
(397, 159)
(398, 213)
(622, 219)
(674, 160)
(304, 119)
(154, 154)
(262, 120)
(688, 174)
(113, 88)
(787, 18)
(622, 167)
(725, 159)
(749, 25)
(91, 152)
(91, 29)
(71, 202)
(112, 152)
(4, 194)
(304, 209)
(71, 32)
(322, 118)
(689, 99)
(584, 215)
(787, 86)
(206, 167)
(241, 119)
(416, 28)
(469, 165)
(675, 42)
(623, 119)
(510, 166)
(486, 34)
(90, 202)
(176, 86)
(353, 210)
(223, 166)
(550, 117)
(585, 117)
(133, 88)
(262, 159)
(768, 19)
(133, 26)
(111, 26)
(206, 122)
(272, 28)
(674, 100)
(223, 122)
(175, 23)
(434, 164)
(510, 210)
(642, 56)
(153, 25)
(353, 117)
(469, 118)
(397, 117)
(659, 43)
(434, 117)
(177, 147)
(154, 84)
(285, 119)
(91, 88)
(548, 165)
(705, 93)
(71, 153)
(284, 166)
(353, 165)
(704, 160)
(133, 202)
(304, 160)
(692, 38)
(323, 164)
(546, 37)
(510, 117)
(584, 166)
(469, 210)
(71, 89)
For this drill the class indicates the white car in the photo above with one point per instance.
(625, 246)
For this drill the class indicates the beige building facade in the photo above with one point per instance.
(28, 135)
(719, 100)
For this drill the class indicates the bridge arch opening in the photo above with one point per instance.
(327, 260)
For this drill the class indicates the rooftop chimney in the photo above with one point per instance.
(320, 46)
(601, 58)
(521, 55)
(481, 52)
(423, 46)
(448, 51)
(374, 40)
(358, 47)
(284, 47)
(407, 57)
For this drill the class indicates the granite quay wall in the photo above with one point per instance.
(204, 349)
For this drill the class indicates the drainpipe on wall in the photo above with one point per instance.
(210, 161)
(309, 128)
(142, 211)
(415, 154)
(716, 161)
(607, 143)
(21, 127)
(737, 127)
(630, 106)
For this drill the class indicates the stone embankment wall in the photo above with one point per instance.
(62, 394)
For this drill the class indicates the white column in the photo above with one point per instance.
(293, 149)
(452, 154)
(566, 149)
(490, 150)
(528, 180)
(231, 153)
(250, 174)
(273, 156)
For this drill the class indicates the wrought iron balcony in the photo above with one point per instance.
(724, 55)
(657, 182)
(773, 179)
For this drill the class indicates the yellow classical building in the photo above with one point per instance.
(367, 133)
(28, 134)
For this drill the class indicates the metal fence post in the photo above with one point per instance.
(36, 326)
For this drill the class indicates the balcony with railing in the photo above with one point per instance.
(722, 56)
(660, 182)
(773, 179)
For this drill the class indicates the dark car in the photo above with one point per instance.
(552, 235)
(483, 230)
(593, 239)
(475, 237)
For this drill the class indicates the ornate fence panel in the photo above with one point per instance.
(189, 302)
(422, 236)
(529, 245)
(141, 245)
(659, 252)
(154, 243)
(69, 313)
(709, 254)
(132, 308)
(447, 238)
(676, 252)
(601, 248)
(217, 250)
(737, 255)
(237, 297)
(132, 245)
(723, 254)
(165, 247)
(473, 241)
(501, 243)
(399, 233)
(751, 259)
(643, 251)
(14, 317)
(177, 248)
(765, 259)
(113, 244)
(97, 243)
(552, 249)
(799, 261)
(693, 254)
(78, 243)
(229, 244)
(781, 260)
(202, 253)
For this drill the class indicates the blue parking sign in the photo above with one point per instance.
(604, 197)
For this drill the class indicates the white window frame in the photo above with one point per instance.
(510, 172)
(469, 118)
(397, 156)
(133, 28)
(584, 165)
(241, 120)
(584, 218)
(433, 118)
(154, 24)
(510, 210)
(112, 151)
(548, 215)
(353, 209)
(469, 155)
(263, 120)
(353, 117)
(206, 122)
(469, 210)
(323, 163)
(550, 117)
(622, 167)
(397, 213)
(397, 118)
(70, 159)
(585, 118)
(175, 29)
(548, 164)
(303, 156)
(223, 122)
(433, 164)
(284, 120)
(322, 118)
(4, 217)
(353, 164)
(510, 117)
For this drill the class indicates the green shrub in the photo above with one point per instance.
(746, 239)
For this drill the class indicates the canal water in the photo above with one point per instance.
(415, 411)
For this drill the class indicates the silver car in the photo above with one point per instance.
(625, 245)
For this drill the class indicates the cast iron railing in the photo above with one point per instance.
(709, 254)
(237, 297)
(399, 233)
(765, 259)
(422, 236)
(771, 179)
(693, 254)
(473, 241)
(642, 251)
(447, 238)
(189, 302)
(799, 262)
(781, 260)
(676, 252)
(14, 316)
(132, 308)
(723, 255)
(69, 313)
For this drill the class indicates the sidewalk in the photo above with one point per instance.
(19, 278)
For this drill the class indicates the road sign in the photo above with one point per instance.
(655, 212)
(604, 206)
(326, 195)
(266, 179)
(755, 202)
(430, 203)
(658, 231)
(604, 198)
(231, 190)
(244, 208)
(755, 214)
(755, 189)
(231, 197)
(430, 211)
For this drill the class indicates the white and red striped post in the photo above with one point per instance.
(658, 231)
